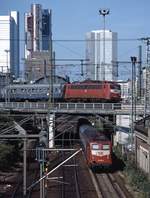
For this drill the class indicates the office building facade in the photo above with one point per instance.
(9, 42)
(101, 55)
(38, 42)
(38, 36)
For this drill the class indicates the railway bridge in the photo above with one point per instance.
(73, 108)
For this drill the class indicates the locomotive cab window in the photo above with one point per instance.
(114, 86)
(106, 147)
(95, 146)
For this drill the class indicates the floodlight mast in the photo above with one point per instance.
(103, 12)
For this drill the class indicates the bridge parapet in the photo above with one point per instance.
(102, 108)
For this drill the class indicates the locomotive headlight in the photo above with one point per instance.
(115, 91)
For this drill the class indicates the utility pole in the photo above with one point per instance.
(149, 148)
(7, 99)
(40, 157)
(51, 115)
(24, 136)
(103, 12)
(133, 98)
(139, 83)
(82, 73)
(97, 71)
(24, 166)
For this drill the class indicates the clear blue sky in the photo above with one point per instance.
(71, 19)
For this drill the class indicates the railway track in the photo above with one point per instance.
(70, 180)
(70, 184)
(74, 179)
(109, 185)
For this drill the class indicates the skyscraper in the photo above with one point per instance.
(9, 42)
(37, 30)
(38, 42)
(98, 68)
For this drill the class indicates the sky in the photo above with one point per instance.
(71, 19)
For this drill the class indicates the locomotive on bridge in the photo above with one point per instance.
(96, 146)
(86, 91)
(92, 91)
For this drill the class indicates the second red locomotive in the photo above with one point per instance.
(92, 91)
(97, 147)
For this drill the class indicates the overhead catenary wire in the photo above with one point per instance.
(69, 49)
(11, 128)
(112, 124)
(76, 40)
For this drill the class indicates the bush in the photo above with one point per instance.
(138, 179)
(8, 156)
(118, 152)
(135, 176)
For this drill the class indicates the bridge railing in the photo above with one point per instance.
(77, 107)
(84, 106)
(45, 105)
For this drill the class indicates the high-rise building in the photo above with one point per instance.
(38, 42)
(37, 30)
(101, 55)
(9, 42)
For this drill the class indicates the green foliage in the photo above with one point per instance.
(8, 156)
(99, 126)
(135, 176)
(117, 151)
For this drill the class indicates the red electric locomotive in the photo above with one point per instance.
(97, 147)
(92, 91)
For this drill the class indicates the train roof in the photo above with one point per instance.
(30, 86)
(92, 133)
(94, 81)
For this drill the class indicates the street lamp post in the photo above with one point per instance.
(103, 12)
